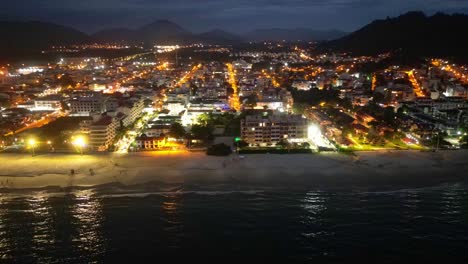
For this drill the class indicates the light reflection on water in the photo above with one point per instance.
(5, 243)
(173, 218)
(314, 203)
(451, 199)
(87, 221)
(411, 202)
(86, 226)
(43, 224)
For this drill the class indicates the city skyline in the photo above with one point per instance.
(233, 16)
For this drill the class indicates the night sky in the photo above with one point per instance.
(232, 15)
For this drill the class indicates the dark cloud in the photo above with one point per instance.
(234, 15)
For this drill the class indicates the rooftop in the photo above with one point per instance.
(104, 121)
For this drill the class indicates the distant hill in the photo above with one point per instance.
(22, 39)
(412, 33)
(160, 31)
(219, 36)
(304, 34)
(118, 35)
(33, 36)
(165, 32)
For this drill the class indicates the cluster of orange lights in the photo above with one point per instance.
(315, 72)
(341, 68)
(273, 80)
(311, 71)
(39, 123)
(452, 69)
(417, 88)
(125, 80)
(374, 82)
(189, 75)
(163, 66)
(436, 63)
(302, 54)
(295, 69)
(305, 56)
(234, 100)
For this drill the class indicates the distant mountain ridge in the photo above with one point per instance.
(411, 33)
(33, 36)
(304, 34)
(24, 38)
(160, 31)
(164, 31)
(21, 39)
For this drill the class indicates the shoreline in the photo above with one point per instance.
(192, 169)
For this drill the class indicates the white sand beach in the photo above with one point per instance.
(20, 171)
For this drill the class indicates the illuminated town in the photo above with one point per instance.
(257, 131)
(292, 100)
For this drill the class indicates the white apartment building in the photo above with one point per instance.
(131, 111)
(47, 103)
(267, 130)
(102, 133)
(85, 105)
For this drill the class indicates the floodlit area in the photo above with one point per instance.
(129, 137)
(316, 137)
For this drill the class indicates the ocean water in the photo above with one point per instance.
(291, 226)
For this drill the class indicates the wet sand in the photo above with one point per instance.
(18, 171)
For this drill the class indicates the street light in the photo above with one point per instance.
(32, 145)
(237, 139)
(80, 143)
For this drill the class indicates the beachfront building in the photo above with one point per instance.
(150, 143)
(268, 130)
(130, 111)
(102, 133)
(157, 130)
(161, 125)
